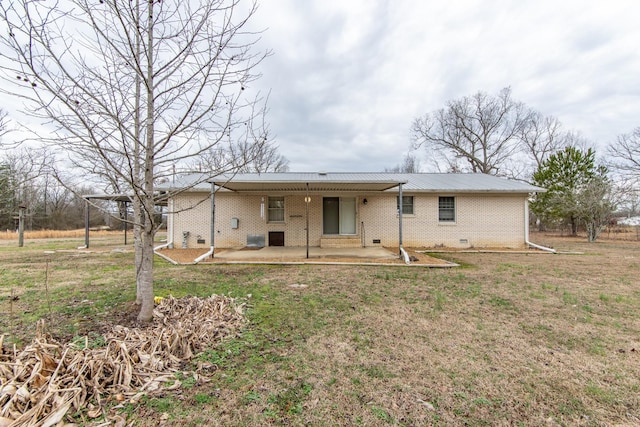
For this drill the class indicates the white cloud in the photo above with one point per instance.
(348, 77)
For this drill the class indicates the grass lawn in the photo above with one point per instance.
(505, 339)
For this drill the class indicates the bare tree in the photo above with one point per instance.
(4, 123)
(267, 159)
(627, 193)
(482, 129)
(21, 171)
(623, 157)
(242, 157)
(624, 154)
(542, 137)
(595, 203)
(410, 164)
(144, 86)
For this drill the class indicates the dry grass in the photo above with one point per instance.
(57, 234)
(506, 339)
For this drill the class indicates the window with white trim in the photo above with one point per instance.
(447, 209)
(407, 204)
(276, 209)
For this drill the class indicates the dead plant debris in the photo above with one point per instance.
(49, 383)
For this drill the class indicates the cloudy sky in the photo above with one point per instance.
(347, 77)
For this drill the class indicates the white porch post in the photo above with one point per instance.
(212, 232)
(400, 218)
(307, 200)
(86, 223)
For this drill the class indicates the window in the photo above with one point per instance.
(276, 209)
(407, 204)
(447, 209)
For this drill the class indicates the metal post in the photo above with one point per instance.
(126, 219)
(86, 223)
(307, 200)
(21, 225)
(400, 217)
(213, 216)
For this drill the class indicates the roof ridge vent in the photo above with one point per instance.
(323, 173)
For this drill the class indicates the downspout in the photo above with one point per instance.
(526, 230)
(169, 243)
(211, 230)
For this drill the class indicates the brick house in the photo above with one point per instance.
(351, 210)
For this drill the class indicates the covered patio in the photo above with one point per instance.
(308, 186)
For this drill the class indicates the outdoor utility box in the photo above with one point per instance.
(234, 223)
(255, 240)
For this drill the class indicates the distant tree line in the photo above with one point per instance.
(27, 179)
(26, 182)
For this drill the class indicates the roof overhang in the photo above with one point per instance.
(290, 186)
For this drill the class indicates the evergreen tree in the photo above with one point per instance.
(578, 190)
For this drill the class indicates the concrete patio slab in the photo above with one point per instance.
(282, 253)
(298, 255)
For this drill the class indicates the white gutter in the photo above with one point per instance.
(526, 231)
(543, 248)
(404, 255)
(203, 256)
(166, 258)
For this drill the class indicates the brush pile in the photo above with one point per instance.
(48, 383)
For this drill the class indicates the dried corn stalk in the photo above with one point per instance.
(46, 381)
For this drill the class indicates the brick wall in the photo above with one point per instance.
(481, 220)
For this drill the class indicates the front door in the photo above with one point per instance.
(339, 215)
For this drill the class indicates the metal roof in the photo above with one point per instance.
(361, 182)
(465, 183)
(296, 182)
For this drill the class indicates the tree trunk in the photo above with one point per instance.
(137, 208)
(145, 286)
(574, 227)
(138, 240)
(591, 232)
(145, 276)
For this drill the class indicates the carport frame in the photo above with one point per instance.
(160, 200)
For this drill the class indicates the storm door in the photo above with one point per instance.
(339, 215)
